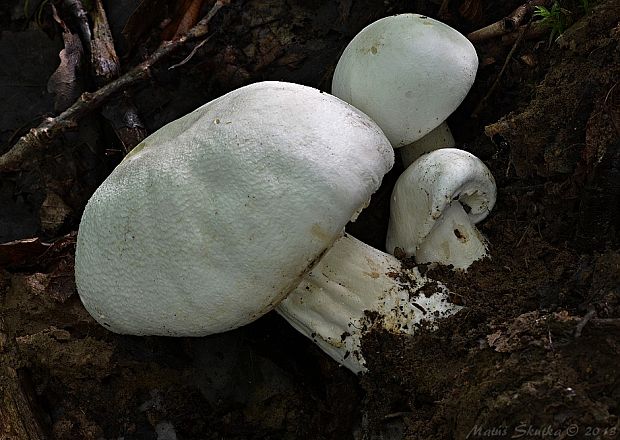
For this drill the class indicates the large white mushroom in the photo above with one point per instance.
(408, 73)
(435, 205)
(216, 217)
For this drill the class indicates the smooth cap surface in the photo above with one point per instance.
(408, 73)
(214, 218)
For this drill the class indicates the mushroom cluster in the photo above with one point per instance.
(240, 207)
(409, 73)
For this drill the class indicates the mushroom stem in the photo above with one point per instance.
(454, 240)
(355, 288)
(439, 137)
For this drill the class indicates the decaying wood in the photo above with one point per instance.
(121, 113)
(534, 31)
(188, 15)
(508, 24)
(104, 61)
(18, 418)
(76, 8)
(26, 148)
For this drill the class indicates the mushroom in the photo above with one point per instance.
(215, 218)
(212, 220)
(408, 73)
(435, 204)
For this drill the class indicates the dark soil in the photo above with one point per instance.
(534, 354)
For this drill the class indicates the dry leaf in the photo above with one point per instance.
(64, 83)
(53, 213)
(58, 285)
(144, 18)
(186, 16)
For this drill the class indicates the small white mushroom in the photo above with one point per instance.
(215, 218)
(408, 73)
(435, 204)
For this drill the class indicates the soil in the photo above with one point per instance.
(535, 352)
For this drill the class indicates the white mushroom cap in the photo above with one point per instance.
(213, 219)
(408, 73)
(436, 202)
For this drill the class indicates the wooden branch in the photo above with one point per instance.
(103, 59)
(580, 326)
(76, 8)
(27, 147)
(507, 24)
(535, 31)
(120, 112)
(606, 323)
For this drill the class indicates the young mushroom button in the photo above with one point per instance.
(435, 204)
(408, 73)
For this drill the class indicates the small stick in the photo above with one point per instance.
(580, 326)
(191, 54)
(507, 24)
(606, 322)
(121, 113)
(397, 415)
(38, 137)
(536, 30)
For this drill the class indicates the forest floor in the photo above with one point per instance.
(534, 354)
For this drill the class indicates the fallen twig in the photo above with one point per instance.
(98, 42)
(580, 326)
(38, 137)
(606, 322)
(533, 31)
(191, 54)
(121, 113)
(507, 24)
